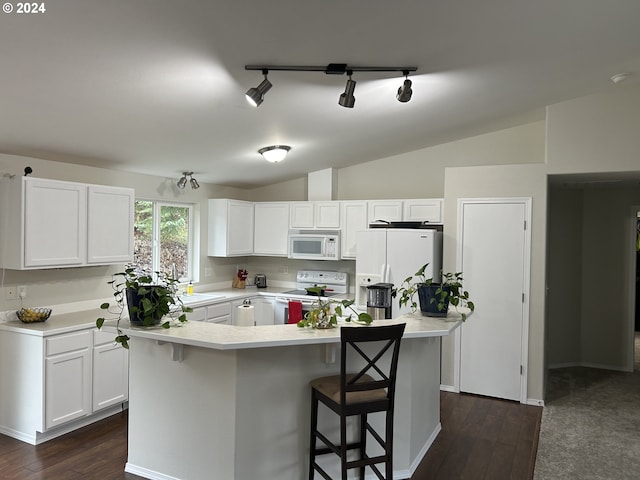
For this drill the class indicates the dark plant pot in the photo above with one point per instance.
(136, 315)
(429, 300)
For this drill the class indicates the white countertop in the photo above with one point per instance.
(70, 321)
(230, 337)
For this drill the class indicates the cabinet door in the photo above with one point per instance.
(353, 216)
(302, 215)
(219, 313)
(388, 210)
(271, 229)
(264, 310)
(421, 210)
(230, 227)
(67, 378)
(110, 228)
(327, 215)
(55, 223)
(110, 371)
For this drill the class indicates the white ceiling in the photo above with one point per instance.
(157, 86)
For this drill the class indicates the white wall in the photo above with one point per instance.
(597, 133)
(605, 326)
(564, 276)
(420, 174)
(503, 181)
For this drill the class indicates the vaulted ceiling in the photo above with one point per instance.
(157, 86)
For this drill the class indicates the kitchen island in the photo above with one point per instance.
(226, 402)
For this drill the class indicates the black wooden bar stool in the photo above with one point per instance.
(369, 390)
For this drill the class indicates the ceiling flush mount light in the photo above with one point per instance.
(405, 92)
(274, 153)
(347, 99)
(619, 77)
(256, 95)
(183, 181)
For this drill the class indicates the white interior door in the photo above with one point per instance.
(494, 258)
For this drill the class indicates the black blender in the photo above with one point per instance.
(379, 300)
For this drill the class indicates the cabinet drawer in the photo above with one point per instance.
(100, 337)
(198, 314)
(218, 310)
(67, 342)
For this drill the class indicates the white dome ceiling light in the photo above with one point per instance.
(274, 153)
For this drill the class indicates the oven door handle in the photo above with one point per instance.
(305, 303)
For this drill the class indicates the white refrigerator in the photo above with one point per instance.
(391, 255)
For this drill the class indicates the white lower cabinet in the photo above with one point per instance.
(264, 310)
(53, 384)
(219, 313)
(67, 377)
(110, 371)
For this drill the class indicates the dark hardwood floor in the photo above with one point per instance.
(481, 438)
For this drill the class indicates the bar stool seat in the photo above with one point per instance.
(369, 390)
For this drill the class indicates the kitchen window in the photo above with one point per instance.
(163, 238)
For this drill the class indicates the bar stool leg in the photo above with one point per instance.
(312, 435)
(343, 446)
(363, 442)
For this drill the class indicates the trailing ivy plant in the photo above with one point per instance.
(326, 311)
(158, 300)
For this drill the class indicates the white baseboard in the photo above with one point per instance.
(146, 473)
(449, 388)
(535, 402)
(600, 366)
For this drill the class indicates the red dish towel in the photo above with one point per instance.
(295, 312)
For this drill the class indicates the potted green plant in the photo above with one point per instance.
(149, 298)
(326, 312)
(434, 297)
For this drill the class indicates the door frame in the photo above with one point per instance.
(526, 286)
(631, 287)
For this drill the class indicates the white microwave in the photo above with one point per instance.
(314, 246)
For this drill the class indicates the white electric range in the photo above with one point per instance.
(335, 283)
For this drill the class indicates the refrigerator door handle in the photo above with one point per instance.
(384, 274)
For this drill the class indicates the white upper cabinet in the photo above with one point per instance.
(386, 210)
(271, 228)
(409, 210)
(353, 216)
(422, 210)
(110, 231)
(51, 223)
(230, 227)
(319, 215)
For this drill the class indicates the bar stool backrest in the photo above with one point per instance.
(375, 350)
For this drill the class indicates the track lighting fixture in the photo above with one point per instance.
(405, 92)
(183, 181)
(255, 96)
(274, 153)
(347, 99)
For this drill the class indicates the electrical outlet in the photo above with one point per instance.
(10, 293)
(22, 291)
(285, 269)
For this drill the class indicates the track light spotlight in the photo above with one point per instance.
(183, 181)
(274, 153)
(405, 92)
(347, 99)
(255, 96)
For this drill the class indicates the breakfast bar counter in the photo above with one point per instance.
(228, 402)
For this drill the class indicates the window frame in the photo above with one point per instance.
(155, 235)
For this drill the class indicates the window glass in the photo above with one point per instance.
(163, 238)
